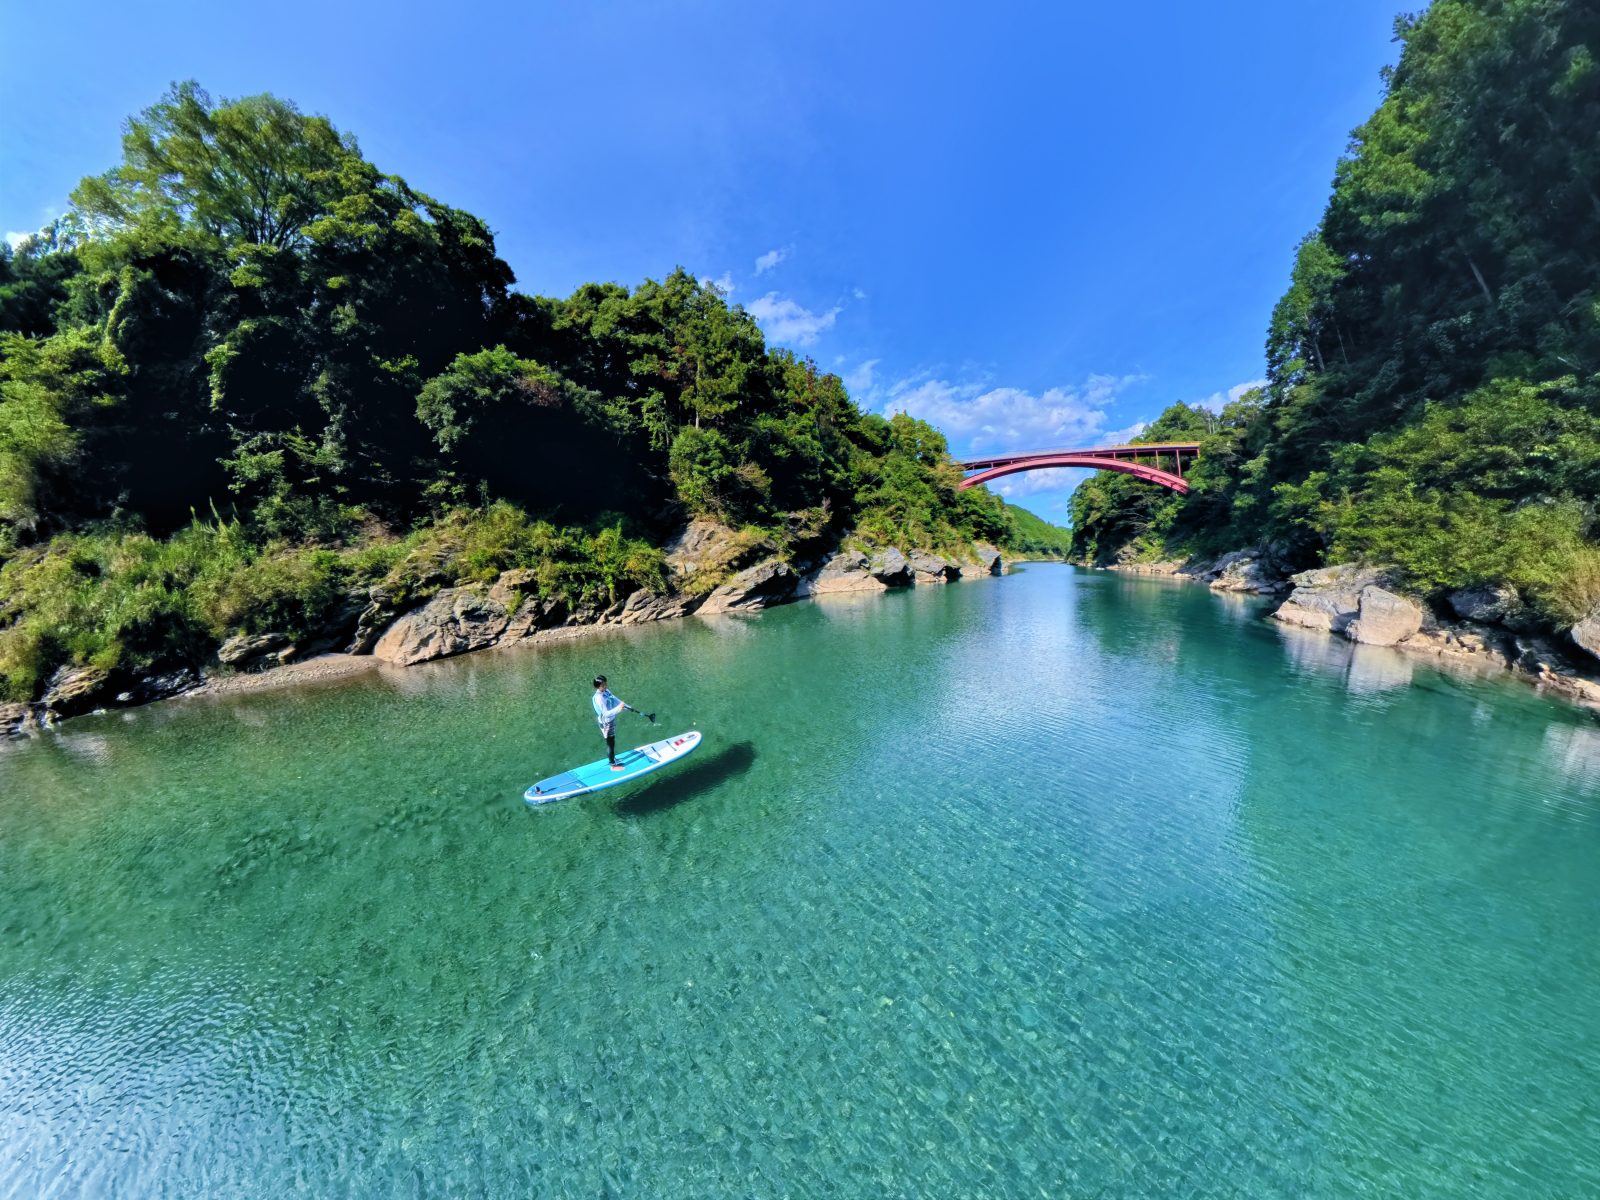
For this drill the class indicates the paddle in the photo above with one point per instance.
(651, 717)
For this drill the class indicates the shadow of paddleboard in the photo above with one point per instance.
(699, 775)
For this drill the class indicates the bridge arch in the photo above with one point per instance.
(1128, 460)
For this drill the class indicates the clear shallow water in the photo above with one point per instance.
(1054, 885)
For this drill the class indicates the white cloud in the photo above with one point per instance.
(976, 417)
(724, 284)
(770, 259)
(858, 293)
(1037, 483)
(787, 321)
(1218, 400)
(859, 380)
(15, 238)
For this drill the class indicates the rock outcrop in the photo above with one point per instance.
(245, 652)
(1383, 618)
(394, 628)
(453, 622)
(703, 547)
(1328, 597)
(931, 568)
(1253, 571)
(16, 719)
(645, 606)
(986, 560)
(1351, 600)
(890, 568)
(1586, 634)
(1161, 570)
(756, 587)
(1495, 628)
(74, 690)
(375, 616)
(1483, 604)
(846, 571)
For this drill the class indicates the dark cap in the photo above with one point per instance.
(599, 681)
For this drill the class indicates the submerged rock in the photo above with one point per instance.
(1384, 618)
(453, 622)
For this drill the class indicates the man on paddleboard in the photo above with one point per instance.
(606, 710)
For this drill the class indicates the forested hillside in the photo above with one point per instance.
(249, 374)
(1432, 397)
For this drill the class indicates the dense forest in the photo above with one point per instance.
(249, 375)
(1433, 371)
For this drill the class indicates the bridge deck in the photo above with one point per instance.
(1119, 453)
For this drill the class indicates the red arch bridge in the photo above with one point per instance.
(1159, 462)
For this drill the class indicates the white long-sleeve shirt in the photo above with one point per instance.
(606, 707)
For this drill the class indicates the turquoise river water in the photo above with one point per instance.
(1054, 885)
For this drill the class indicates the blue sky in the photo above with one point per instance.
(1034, 224)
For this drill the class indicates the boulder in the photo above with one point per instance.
(247, 651)
(1586, 634)
(1328, 597)
(453, 622)
(1252, 571)
(1486, 604)
(1384, 618)
(986, 560)
(930, 568)
(890, 568)
(846, 571)
(756, 587)
(74, 690)
(645, 606)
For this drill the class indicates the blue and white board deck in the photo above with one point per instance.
(591, 777)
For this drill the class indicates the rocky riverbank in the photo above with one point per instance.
(712, 570)
(1480, 626)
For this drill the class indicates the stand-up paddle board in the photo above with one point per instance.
(591, 777)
